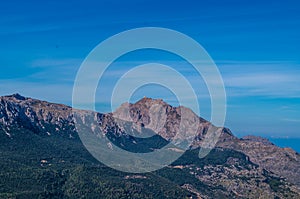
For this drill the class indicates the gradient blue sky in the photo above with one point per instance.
(255, 44)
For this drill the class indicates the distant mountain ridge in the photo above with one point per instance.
(252, 164)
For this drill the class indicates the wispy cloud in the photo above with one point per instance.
(241, 79)
(67, 62)
(291, 120)
(55, 71)
(58, 93)
(262, 79)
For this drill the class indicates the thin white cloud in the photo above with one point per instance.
(270, 79)
(291, 120)
(262, 79)
(51, 92)
(56, 62)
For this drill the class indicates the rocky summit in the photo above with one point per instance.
(42, 155)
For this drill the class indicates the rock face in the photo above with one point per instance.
(171, 123)
(261, 169)
(42, 117)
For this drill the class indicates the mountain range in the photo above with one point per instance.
(44, 154)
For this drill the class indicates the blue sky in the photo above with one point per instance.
(255, 44)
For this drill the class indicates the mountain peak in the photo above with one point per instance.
(150, 101)
(16, 96)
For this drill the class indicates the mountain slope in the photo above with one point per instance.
(281, 161)
(43, 156)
